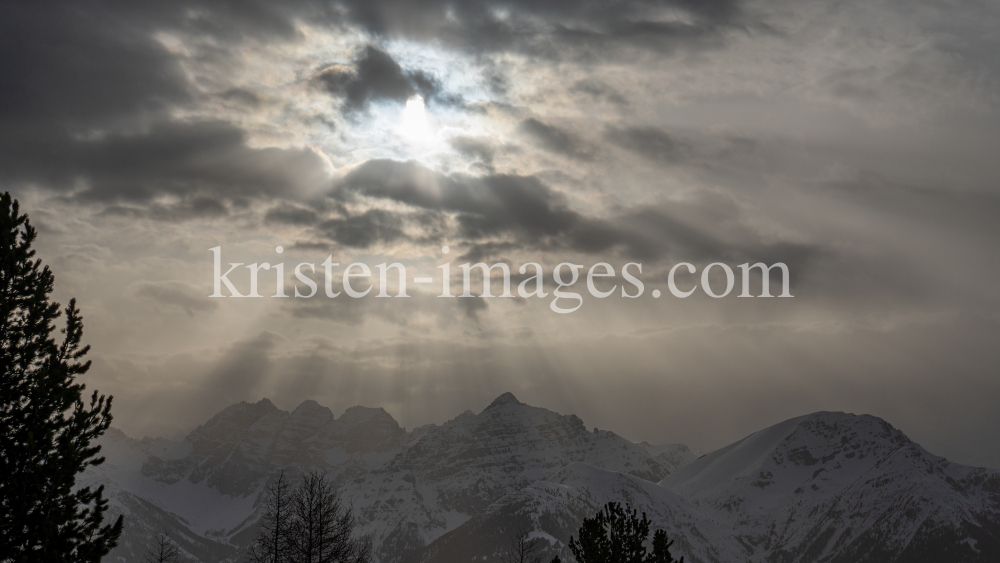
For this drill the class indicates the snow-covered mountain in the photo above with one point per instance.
(457, 470)
(554, 507)
(824, 487)
(409, 488)
(674, 456)
(843, 488)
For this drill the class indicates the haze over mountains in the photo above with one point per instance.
(823, 487)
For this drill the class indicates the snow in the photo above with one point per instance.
(850, 477)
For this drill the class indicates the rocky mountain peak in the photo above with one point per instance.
(229, 423)
(821, 487)
(465, 414)
(507, 398)
(363, 415)
(819, 460)
(364, 429)
(313, 411)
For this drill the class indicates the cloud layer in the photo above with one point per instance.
(853, 143)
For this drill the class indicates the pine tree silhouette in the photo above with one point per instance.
(47, 430)
(618, 535)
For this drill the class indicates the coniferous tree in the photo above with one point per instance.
(661, 549)
(618, 535)
(46, 429)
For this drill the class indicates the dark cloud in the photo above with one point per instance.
(479, 25)
(600, 91)
(485, 206)
(242, 96)
(364, 230)
(210, 159)
(663, 147)
(79, 65)
(491, 251)
(521, 206)
(496, 81)
(89, 89)
(89, 64)
(551, 28)
(652, 143)
(376, 76)
(291, 215)
(475, 148)
(86, 105)
(370, 227)
(313, 245)
(500, 213)
(194, 207)
(556, 139)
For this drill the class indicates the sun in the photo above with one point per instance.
(414, 125)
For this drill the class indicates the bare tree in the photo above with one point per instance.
(361, 551)
(334, 525)
(306, 507)
(163, 551)
(521, 548)
(272, 542)
(322, 528)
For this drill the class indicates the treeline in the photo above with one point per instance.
(308, 524)
(613, 535)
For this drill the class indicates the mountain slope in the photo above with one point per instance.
(457, 470)
(240, 447)
(673, 456)
(843, 488)
(554, 507)
(204, 490)
(827, 487)
(407, 488)
(152, 508)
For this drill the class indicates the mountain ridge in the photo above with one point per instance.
(831, 487)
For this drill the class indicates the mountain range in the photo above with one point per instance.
(825, 487)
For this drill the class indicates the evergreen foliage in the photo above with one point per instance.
(47, 429)
(618, 535)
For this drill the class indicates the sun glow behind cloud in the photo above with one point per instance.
(415, 126)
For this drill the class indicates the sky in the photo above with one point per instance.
(855, 142)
